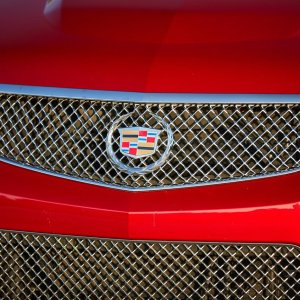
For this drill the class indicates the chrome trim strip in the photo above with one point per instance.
(3, 230)
(157, 188)
(138, 97)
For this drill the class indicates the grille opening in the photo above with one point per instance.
(34, 266)
(212, 142)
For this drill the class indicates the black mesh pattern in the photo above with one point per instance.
(212, 142)
(34, 266)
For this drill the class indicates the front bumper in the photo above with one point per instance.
(263, 210)
(203, 237)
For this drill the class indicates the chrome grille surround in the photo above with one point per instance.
(40, 266)
(214, 142)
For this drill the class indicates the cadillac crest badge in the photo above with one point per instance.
(138, 149)
(138, 142)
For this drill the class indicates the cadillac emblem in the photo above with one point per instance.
(138, 141)
(139, 149)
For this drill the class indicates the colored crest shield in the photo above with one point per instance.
(138, 142)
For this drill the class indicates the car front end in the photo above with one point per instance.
(149, 150)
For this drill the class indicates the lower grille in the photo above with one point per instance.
(37, 266)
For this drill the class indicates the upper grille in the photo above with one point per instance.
(212, 142)
(58, 267)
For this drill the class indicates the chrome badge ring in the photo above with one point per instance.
(135, 170)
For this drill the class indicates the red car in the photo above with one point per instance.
(150, 149)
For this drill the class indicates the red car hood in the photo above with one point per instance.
(159, 46)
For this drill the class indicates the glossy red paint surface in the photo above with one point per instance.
(152, 46)
(265, 210)
(217, 46)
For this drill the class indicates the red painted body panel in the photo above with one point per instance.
(217, 46)
(153, 46)
(264, 210)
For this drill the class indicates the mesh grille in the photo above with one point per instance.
(212, 142)
(52, 267)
